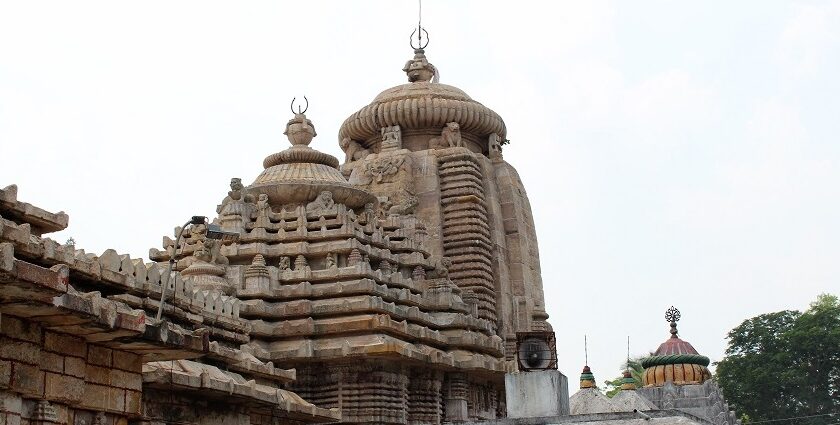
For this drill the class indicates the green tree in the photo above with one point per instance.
(785, 364)
(636, 371)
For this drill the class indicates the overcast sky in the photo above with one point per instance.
(674, 152)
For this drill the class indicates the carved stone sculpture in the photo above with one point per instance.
(300, 263)
(331, 260)
(406, 207)
(263, 212)
(353, 150)
(284, 263)
(419, 69)
(382, 168)
(215, 249)
(236, 208)
(354, 258)
(494, 147)
(391, 138)
(442, 267)
(324, 201)
(450, 137)
(256, 275)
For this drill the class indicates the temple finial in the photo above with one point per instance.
(299, 129)
(419, 69)
(672, 315)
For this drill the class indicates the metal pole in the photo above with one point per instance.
(169, 270)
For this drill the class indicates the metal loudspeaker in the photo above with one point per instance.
(536, 350)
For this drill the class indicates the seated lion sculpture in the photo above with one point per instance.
(450, 137)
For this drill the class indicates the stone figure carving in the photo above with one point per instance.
(494, 146)
(419, 68)
(197, 233)
(215, 249)
(450, 137)
(331, 260)
(353, 150)
(263, 212)
(391, 138)
(203, 253)
(235, 210)
(369, 215)
(284, 264)
(442, 267)
(324, 201)
(381, 169)
(404, 208)
(235, 194)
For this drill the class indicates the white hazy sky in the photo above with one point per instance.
(674, 152)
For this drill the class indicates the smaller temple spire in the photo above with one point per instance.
(627, 381)
(587, 378)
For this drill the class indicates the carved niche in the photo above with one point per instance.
(391, 138)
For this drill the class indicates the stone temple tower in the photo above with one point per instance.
(394, 284)
(430, 148)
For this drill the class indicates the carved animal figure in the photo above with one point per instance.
(324, 201)
(404, 208)
(442, 267)
(235, 194)
(353, 150)
(215, 248)
(450, 137)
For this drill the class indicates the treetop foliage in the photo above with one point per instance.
(785, 364)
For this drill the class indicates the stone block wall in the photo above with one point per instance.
(55, 377)
(163, 407)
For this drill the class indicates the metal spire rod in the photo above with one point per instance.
(419, 19)
(585, 350)
(628, 353)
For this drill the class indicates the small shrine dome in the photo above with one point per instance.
(675, 360)
(422, 108)
(299, 174)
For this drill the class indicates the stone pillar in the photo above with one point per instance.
(536, 394)
(456, 400)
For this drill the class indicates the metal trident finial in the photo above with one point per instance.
(419, 31)
(299, 111)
